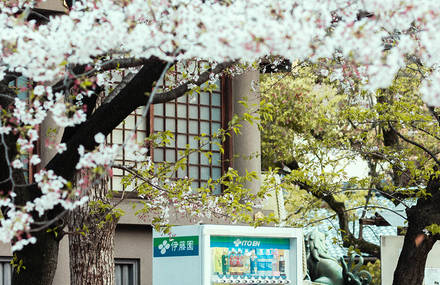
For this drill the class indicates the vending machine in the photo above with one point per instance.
(226, 254)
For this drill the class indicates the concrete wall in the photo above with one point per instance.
(390, 249)
(62, 275)
(49, 131)
(53, 5)
(135, 242)
(5, 250)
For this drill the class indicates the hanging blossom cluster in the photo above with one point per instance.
(168, 198)
(54, 193)
(105, 154)
(165, 198)
(213, 30)
(372, 48)
(43, 100)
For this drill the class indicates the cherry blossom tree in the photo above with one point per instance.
(65, 58)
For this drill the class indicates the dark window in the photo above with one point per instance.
(21, 86)
(133, 123)
(127, 271)
(195, 115)
(186, 118)
(5, 271)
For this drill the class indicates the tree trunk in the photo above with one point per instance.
(92, 254)
(91, 241)
(35, 263)
(39, 261)
(418, 242)
(410, 269)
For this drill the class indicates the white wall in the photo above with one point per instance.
(390, 248)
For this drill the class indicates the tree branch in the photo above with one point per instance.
(415, 144)
(6, 100)
(356, 208)
(434, 114)
(182, 89)
(115, 64)
(108, 116)
(129, 77)
(425, 131)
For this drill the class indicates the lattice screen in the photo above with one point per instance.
(120, 134)
(187, 117)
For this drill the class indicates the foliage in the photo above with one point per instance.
(341, 147)
(164, 194)
(374, 270)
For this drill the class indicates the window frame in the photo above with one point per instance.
(4, 260)
(135, 262)
(225, 107)
(225, 92)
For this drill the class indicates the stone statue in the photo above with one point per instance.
(324, 269)
(354, 276)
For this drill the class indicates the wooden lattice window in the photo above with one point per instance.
(22, 85)
(188, 117)
(133, 123)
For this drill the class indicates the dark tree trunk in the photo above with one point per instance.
(92, 249)
(92, 254)
(39, 261)
(410, 269)
(418, 242)
(36, 263)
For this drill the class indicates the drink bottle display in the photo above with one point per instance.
(225, 262)
(232, 261)
(275, 263)
(253, 263)
(218, 260)
(282, 266)
(261, 265)
(249, 263)
(239, 262)
(268, 263)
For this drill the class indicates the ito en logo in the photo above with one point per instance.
(253, 243)
(164, 246)
(237, 242)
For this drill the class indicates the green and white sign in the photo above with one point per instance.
(249, 242)
(176, 246)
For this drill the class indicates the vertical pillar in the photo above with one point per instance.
(246, 147)
(50, 131)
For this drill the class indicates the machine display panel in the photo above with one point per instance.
(249, 260)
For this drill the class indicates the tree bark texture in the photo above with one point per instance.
(92, 251)
(418, 243)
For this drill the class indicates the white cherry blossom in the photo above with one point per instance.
(389, 35)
